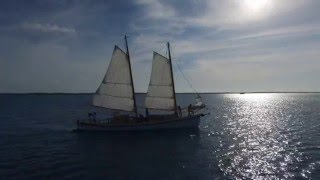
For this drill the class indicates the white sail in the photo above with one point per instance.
(160, 93)
(115, 91)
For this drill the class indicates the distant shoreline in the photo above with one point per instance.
(59, 93)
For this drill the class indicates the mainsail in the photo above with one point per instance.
(116, 89)
(161, 93)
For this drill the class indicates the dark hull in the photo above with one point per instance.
(176, 123)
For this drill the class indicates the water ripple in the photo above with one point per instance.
(250, 136)
(266, 138)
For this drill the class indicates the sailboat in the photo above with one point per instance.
(116, 92)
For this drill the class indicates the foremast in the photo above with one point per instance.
(116, 91)
(172, 79)
(131, 79)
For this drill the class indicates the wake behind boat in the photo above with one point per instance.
(116, 92)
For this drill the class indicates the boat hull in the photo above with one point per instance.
(185, 122)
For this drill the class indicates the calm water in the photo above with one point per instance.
(257, 136)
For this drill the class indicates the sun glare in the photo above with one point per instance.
(257, 96)
(253, 97)
(256, 9)
(256, 5)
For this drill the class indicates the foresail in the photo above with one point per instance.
(115, 91)
(160, 93)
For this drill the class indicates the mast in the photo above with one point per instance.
(134, 97)
(172, 79)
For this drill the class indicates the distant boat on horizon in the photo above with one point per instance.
(116, 92)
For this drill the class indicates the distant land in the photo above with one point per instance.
(62, 93)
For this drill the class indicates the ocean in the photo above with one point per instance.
(246, 136)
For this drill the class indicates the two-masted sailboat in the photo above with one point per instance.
(116, 92)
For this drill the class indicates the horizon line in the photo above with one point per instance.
(240, 92)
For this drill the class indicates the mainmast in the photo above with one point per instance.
(172, 79)
(134, 97)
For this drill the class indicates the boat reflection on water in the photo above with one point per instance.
(141, 154)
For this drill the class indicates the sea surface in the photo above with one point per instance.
(247, 136)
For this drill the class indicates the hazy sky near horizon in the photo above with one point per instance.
(229, 45)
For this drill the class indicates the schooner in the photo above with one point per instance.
(116, 92)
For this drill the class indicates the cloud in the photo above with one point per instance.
(49, 67)
(154, 9)
(218, 44)
(299, 30)
(281, 71)
(48, 28)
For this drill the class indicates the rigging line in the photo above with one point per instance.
(138, 38)
(185, 78)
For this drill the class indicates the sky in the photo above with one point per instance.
(220, 46)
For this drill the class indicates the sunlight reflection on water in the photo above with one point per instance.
(260, 149)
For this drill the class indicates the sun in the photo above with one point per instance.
(256, 6)
(253, 10)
